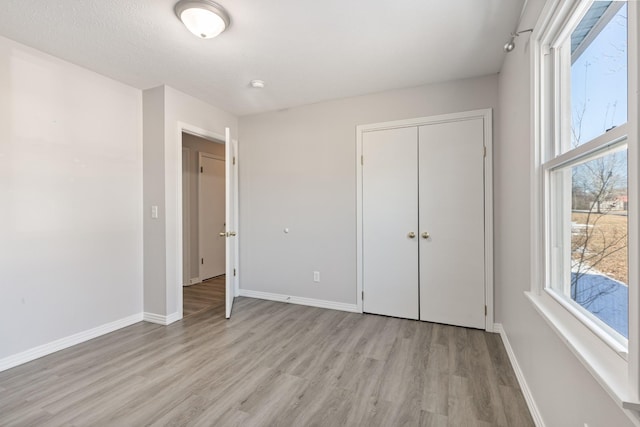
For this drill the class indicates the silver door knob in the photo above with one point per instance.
(411, 235)
(425, 235)
(232, 233)
(222, 234)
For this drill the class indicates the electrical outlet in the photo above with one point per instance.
(316, 276)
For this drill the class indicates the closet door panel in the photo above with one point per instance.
(390, 214)
(451, 203)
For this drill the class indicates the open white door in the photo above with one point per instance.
(231, 219)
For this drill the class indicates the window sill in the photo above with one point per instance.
(605, 364)
(616, 346)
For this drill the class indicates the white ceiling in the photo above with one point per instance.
(306, 50)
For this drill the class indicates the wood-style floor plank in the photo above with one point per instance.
(206, 294)
(271, 364)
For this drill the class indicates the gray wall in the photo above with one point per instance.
(153, 195)
(566, 394)
(166, 112)
(70, 200)
(298, 170)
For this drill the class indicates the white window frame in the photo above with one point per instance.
(613, 364)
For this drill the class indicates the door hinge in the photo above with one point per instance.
(202, 261)
(234, 272)
(234, 160)
(201, 169)
(485, 310)
(362, 160)
(484, 151)
(363, 295)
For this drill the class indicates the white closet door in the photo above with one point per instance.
(390, 214)
(451, 198)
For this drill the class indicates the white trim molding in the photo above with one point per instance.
(331, 305)
(186, 214)
(526, 392)
(160, 319)
(66, 342)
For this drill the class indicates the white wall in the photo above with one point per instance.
(565, 393)
(70, 191)
(165, 110)
(298, 170)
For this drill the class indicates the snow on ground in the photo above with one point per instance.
(606, 298)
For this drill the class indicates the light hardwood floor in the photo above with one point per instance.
(207, 294)
(271, 364)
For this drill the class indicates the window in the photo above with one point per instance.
(588, 245)
(598, 77)
(585, 229)
(585, 168)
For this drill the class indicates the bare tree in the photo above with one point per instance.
(597, 183)
(596, 189)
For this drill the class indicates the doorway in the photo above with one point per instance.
(203, 187)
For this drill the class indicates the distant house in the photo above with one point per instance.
(623, 202)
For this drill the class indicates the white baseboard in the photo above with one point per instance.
(161, 319)
(300, 300)
(193, 281)
(66, 342)
(173, 317)
(528, 397)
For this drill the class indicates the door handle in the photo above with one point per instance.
(232, 233)
(425, 235)
(222, 234)
(411, 235)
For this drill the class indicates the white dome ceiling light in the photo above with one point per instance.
(204, 18)
(257, 84)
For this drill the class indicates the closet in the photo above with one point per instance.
(423, 218)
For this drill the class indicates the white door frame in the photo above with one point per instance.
(211, 136)
(486, 115)
(186, 212)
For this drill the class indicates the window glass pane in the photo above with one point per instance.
(598, 72)
(591, 265)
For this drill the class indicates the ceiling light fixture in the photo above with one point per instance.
(203, 18)
(512, 43)
(257, 84)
